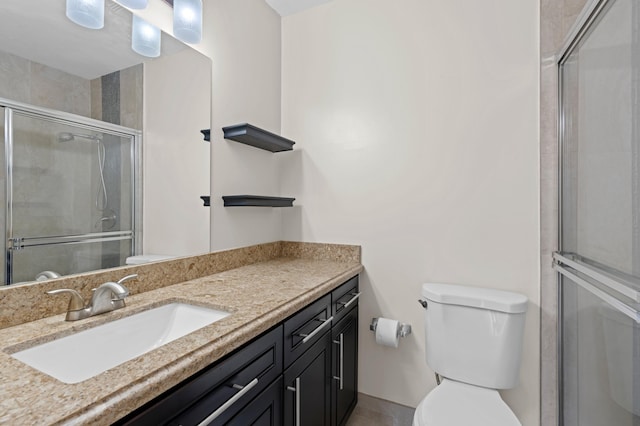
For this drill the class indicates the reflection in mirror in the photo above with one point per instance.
(78, 196)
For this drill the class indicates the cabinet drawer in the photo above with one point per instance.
(305, 328)
(343, 298)
(239, 377)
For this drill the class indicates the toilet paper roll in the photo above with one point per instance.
(387, 332)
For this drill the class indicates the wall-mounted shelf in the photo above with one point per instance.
(206, 199)
(207, 134)
(256, 201)
(254, 136)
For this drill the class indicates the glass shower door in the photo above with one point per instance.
(70, 196)
(599, 257)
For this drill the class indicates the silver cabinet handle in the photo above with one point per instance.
(353, 299)
(230, 401)
(297, 392)
(308, 337)
(340, 378)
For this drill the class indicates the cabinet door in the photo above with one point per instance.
(265, 410)
(345, 367)
(307, 395)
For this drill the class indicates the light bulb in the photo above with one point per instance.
(145, 38)
(187, 20)
(87, 13)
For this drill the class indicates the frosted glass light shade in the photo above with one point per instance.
(134, 4)
(187, 20)
(145, 38)
(87, 13)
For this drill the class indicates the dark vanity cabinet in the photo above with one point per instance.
(303, 372)
(344, 339)
(307, 360)
(218, 394)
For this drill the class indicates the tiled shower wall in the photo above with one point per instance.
(29, 82)
(556, 19)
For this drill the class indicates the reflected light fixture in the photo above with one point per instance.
(187, 20)
(87, 13)
(145, 38)
(134, 4)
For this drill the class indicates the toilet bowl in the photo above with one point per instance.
(473, 340)
(455, 404)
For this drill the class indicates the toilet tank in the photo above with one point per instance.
(474, 335)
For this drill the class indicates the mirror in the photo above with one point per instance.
(50, 62)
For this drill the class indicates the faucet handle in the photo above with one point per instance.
(127, 278)
(75, 303)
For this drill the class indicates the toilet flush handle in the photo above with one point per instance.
(423, 303)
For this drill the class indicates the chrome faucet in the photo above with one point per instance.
(106, 298)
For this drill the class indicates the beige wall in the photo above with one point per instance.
(418, 139)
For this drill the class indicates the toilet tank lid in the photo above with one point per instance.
(476, 297)
(146, 258)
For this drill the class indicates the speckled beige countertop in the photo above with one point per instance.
(259, 295)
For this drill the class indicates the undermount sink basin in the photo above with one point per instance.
(80, 356)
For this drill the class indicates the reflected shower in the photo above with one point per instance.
(102, 201)
(68, 137)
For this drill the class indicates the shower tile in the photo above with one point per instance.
(551, 29)
(131, 97)
(52, 88)
(96, 98)
(14, 77)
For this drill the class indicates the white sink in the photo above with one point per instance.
(80, 356)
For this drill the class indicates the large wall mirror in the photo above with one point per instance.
(103, 158)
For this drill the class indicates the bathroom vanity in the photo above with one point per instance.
(287, 352)
(302, 371)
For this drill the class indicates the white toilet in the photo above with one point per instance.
(474, 342)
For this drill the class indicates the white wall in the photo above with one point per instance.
(176, 159)
(417, 131)
(242, 37)
(245, 48)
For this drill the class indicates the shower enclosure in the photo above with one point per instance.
(70, 193)
(599, 257)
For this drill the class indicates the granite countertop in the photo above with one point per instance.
(258, 295)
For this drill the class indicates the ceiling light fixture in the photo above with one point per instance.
(187, 20)
(134, 4)
(87, 13)
(145, 38)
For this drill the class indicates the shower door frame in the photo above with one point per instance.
(568, 266)
(60, 117)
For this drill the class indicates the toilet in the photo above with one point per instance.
(474, 343)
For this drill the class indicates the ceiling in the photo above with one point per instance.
(289, 7)
(40, 31)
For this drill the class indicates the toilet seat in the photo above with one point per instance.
(454, 404)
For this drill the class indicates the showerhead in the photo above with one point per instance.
(68, 137)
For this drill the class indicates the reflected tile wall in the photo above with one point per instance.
(36, 84)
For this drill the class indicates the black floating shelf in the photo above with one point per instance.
(207, 134)
(256, 201)
(254, 136)
(207, 200)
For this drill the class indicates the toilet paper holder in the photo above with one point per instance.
(403, 329)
